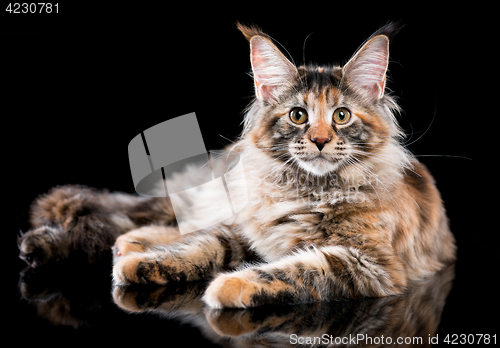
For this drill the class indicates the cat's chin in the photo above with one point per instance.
(318, 166)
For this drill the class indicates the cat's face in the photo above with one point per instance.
(320, 126)
(321, 119)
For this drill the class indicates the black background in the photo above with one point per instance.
(77, 87)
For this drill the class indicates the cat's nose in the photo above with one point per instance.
(320, 142)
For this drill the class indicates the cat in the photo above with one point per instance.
(337, 207)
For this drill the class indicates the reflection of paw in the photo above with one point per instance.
(232, 322)
(139, 268)
(137, 299)
(231, 291)
(182, 297)
(39, 246)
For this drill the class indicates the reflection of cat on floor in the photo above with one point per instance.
(77, 301)
(414, 315)
(376, 225)
(69, 293)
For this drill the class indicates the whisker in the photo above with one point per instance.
(384, 160)
(226, 138)
(430, 124)
(452, 156)
(278, 168)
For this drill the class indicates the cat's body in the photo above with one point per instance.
(337, 208)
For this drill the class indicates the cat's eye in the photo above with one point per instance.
(341, 116)
(298, 115)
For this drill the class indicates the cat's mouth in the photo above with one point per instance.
(319, 164)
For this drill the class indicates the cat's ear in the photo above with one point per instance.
(271, 69)
(366, 70)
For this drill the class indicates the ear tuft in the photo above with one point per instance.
(390, 30)
(250, 31)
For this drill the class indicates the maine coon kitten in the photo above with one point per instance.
(337, 207)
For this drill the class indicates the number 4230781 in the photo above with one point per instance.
(32, 7)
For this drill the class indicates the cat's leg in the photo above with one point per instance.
(75, 219)
(65, 220)
(194, 256)
(311, 275)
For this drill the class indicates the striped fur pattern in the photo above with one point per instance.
(337, 207)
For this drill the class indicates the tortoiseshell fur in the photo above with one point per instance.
(335, 210)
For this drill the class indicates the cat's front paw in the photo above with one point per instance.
(142, 239)
(231, 291)
(125, 244)
(41, 245)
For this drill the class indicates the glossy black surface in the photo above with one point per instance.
(81, 300)
(73, 99)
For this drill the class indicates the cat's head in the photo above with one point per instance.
(323, 119)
